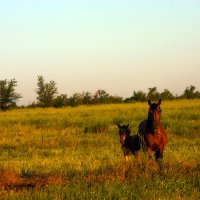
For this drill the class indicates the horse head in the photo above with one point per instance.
(124, 132)
(154, 113)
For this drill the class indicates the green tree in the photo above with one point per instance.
(75, 100)
(115, 99)
(166, 94)
(153, 94)
(191, 93)
(60, 101)
(139, 96)
(8, 96)
(87, 98)
(101, 96)
(46, 92)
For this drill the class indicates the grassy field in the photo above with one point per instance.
(74, 153)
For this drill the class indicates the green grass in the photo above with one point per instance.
(74, 153)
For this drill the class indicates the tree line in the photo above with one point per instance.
(47, 95)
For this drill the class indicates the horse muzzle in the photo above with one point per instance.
(155, 124)
(122, 139)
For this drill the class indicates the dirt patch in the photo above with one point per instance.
(10, 180)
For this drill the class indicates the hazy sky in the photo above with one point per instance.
(120, 46)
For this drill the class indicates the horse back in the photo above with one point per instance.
(132, 143)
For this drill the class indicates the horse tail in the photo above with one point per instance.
(142, 141)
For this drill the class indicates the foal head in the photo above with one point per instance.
(154, 113)
(124, 132)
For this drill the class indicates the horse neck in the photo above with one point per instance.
(128, 134)
(149, 122)
(150, 125)
(128, 131)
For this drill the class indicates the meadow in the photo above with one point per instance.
(75, 153)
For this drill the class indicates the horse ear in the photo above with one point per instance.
(127, 125)
(149, 102)
(159, 102)
(118, 125)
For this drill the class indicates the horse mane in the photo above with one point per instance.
(153, 106)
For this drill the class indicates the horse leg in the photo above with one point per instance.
(150, 152)
(159, 157)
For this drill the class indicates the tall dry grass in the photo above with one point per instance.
(74, 153)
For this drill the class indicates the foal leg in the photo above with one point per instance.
(126, 153)
(126, 158)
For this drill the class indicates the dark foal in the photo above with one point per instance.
(130, 143)
(153, 131)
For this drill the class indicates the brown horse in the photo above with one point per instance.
(153, 131)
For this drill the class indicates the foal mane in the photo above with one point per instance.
(128, 131)
(125, 128)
